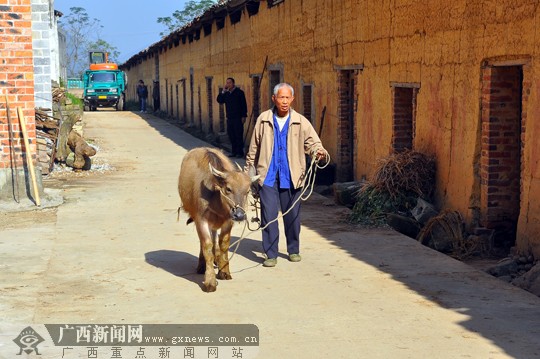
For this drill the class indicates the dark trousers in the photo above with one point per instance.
(142, 103)
(156, 104)
(271, 198)
(235, 130)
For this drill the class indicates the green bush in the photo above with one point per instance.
(372, 205)
(74, 99)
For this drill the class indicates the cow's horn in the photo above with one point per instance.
(216, 172)
(254, 178)
(239, 168)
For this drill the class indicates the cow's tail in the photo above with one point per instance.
(178, 213)
(190, 220)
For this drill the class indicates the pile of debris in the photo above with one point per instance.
(58, 95)
(57, 140)
(399, 195)
(398, 181)
(47, 130)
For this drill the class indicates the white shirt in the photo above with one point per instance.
(281, 121)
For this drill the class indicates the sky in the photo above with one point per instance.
(129, 25)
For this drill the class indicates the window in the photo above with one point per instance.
(103, 77)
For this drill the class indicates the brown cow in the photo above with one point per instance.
(213, 193)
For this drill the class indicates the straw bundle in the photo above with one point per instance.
(406, 172)
(398, 181)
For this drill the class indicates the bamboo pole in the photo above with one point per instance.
(29, 157)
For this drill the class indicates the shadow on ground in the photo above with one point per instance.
(492, 306)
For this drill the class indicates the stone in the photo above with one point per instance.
(506, 267)
(530, 281)
(423, 211)
(404, 225)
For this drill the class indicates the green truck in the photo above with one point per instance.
(104, 84)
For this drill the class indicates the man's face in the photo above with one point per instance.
(229, 84)
(282, 100)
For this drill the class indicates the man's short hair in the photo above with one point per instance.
(283, 84)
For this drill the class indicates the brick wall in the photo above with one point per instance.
(17, 82)
(403, 104)
(346, 84)
(501, 146)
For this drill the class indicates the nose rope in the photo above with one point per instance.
(231, 202)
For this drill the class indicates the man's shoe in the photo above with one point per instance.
(270, 262)
(295, 257)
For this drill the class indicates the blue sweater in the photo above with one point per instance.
(279, 166)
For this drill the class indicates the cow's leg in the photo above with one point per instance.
(223, 259)
(207, 245)
(201, 266)
(216, 246)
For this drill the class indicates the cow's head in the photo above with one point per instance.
(234, 187)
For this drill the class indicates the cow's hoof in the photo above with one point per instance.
(211, 287)
(224, 275)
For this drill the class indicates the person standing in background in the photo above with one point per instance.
(142, 92)
(236, 108)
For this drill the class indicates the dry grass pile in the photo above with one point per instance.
(398, 181)
(408, 172)
(446, 233)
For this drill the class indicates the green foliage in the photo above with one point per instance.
(180, 18)
(74, 99)
(373, 204)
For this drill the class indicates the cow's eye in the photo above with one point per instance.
(228, 189)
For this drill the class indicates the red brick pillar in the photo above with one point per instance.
(17, 82)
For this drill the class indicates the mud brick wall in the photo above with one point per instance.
(440, 46)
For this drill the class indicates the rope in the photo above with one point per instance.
(309, 185)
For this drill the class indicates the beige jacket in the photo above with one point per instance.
(301, 140)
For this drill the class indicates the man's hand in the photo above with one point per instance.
(321, 155)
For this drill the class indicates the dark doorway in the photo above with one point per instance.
(403, 113)
(210, 103)
(501, 152)
(346, 115)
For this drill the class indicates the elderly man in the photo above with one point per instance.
(281, 139)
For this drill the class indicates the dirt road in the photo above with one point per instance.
(114, 253)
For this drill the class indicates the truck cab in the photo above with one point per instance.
(104, 85)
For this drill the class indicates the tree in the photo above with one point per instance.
(180, 18)
(83, 35)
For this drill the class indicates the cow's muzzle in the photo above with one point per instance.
(238, 214)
